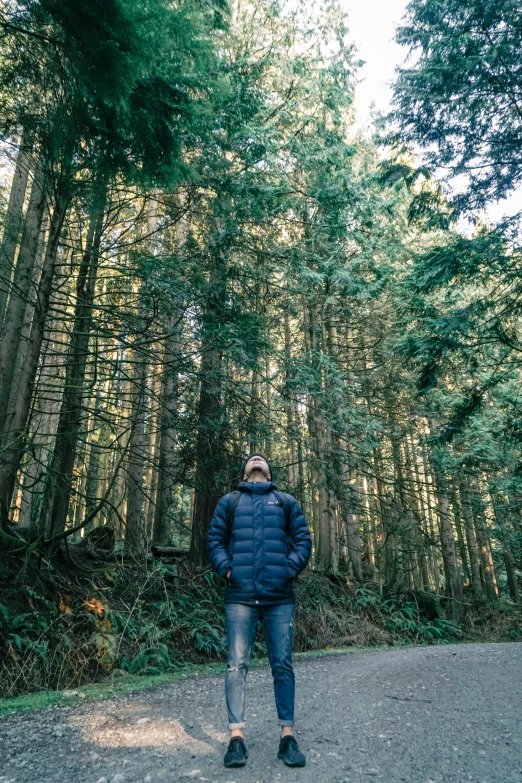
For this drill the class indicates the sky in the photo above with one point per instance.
(372, 25)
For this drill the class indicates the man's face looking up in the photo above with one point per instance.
(256, 469)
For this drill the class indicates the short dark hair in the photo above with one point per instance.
(245, 462)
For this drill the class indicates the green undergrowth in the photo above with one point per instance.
(126, 683)
(114, 626)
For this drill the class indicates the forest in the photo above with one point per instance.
(203, 255)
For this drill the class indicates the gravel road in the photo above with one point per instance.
(421, 715)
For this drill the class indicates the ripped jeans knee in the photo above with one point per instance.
(278, 626)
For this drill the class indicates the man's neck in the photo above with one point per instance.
(255, 476)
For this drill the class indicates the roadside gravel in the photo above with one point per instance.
(418, 715)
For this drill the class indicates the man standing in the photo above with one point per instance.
(259, 541)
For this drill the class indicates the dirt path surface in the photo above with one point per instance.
(448, 713)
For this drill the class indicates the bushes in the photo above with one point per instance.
(59, 629)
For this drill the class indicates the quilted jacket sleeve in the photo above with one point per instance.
(300, 538)
(217, 538)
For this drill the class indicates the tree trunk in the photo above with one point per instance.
(499, 511)
(509, 561)
(168, 414)
(168, 430)
(353, 535)
(449, 553)
(20, 293)
(13, 221)
(117, 495)
(12, 455)
(488, 568)
(471, 538)
(44, 422)
(289, 410)
(210, 479)
(62, 465)
(389, 535)
(428, 485)
(460, 536)
(319, 437)
(135, 528)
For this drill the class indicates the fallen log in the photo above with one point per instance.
(168, 551)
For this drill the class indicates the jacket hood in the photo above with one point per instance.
(257, 487)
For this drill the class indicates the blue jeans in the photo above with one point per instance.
(278, 629)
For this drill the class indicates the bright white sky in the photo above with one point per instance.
(372, 26)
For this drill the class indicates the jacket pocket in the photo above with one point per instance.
(230, 553)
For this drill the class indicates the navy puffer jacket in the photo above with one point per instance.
(262, 556)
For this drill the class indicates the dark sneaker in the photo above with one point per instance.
(290, 753)
(237, 753)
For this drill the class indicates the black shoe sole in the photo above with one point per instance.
(289, 763)
(237, 763)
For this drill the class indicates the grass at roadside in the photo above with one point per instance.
(128, 683)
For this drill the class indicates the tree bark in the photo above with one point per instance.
(168, 430)
(210, 481)
(13, 220)
(471, 539)
(11, 333)
(13, 452)
(449, 553)
(135, 528)
(168, 412)
(62, 465)
(488, 568)
(499, 510)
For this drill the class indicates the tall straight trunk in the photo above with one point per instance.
(210, 481)
(13, 220)
(499, 507)
(117, 494)
(404, 525)
(419, 566)
(318, 430)
(153, 446)
(208, 451)
(353, 536)
(449, 553)
(378, 526)
(421, 531)
(428, 485)
(26, 328)
(168, 429)
(471, 540)
(62, 465)
(351, 496)
(457, 515)
(301, 485)
(11, 456)
(369, 529)
(44, 422)
(389, 534)
(289, 410)
(509, 562)
(11, 333)
(88, 493)
(268, 404)
(253, 418)
(479, 519)
(135, 528)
